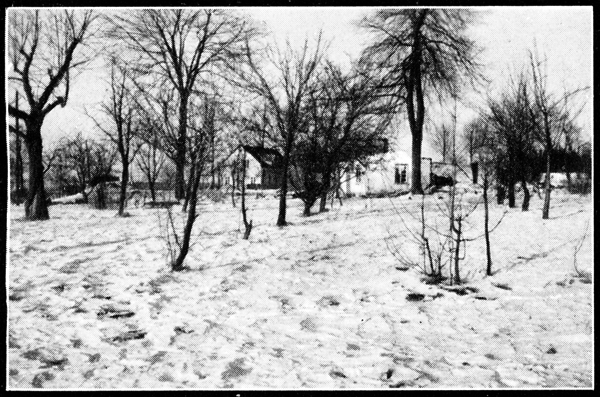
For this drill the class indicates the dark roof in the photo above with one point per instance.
(267, 157)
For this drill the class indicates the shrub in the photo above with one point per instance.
(581, 184)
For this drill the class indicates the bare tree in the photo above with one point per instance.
(43, 52)
(103, 158)
(511, 117)
(178, 45)
(151, 161)
(78, 153)
(349, 116)
(422, 52)
(483, 141)
(247, 225)
(553, 116)
(441, 140)
(284, 97)
(123, 125)
(472, 141)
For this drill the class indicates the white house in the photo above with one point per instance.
(262, 167)
(386, 173)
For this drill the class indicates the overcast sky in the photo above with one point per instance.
(564, 34)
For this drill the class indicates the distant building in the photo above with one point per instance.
(263, 167)
(384, 173)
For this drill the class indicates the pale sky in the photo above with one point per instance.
(564, 34)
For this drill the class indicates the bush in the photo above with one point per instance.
(18, 197)
(582, 184)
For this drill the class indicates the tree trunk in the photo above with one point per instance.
(416, 117)
(500, 193)
(307, 206)
(36, 206)
(486, 225)
(247, 225)
(284, 182)
(19, 181)
(177, 265)
(189, 186)
(458, 231)
(511, 195)
(326, 188)
(181, 149)
(180, 176)
(547, 188)
(152, 186)
(475, 171)
(526, 197)
(124, 182)
(233, 175)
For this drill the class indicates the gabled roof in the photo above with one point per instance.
(267, 157)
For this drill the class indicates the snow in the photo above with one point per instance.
(315, 305)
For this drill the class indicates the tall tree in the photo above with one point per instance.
(178, 46)
(422, 52)
(44, 52)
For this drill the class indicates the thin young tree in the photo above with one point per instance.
(472, 141)
(151, 161)
(483, 142)
(177, 46)
(123, 124)
(247, 225)
(45, 51)
(78, 153)
(104, 157)
(553, 115)
(422, 53)
(285, 93)
(441, 140)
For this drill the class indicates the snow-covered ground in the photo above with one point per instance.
(320, 304)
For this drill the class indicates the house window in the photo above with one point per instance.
(252, 180)
(400, 174)
(227, 181)
(247, 164)
(358, 173)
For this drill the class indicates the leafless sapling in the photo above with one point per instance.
(123, 124)
(285, 97)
